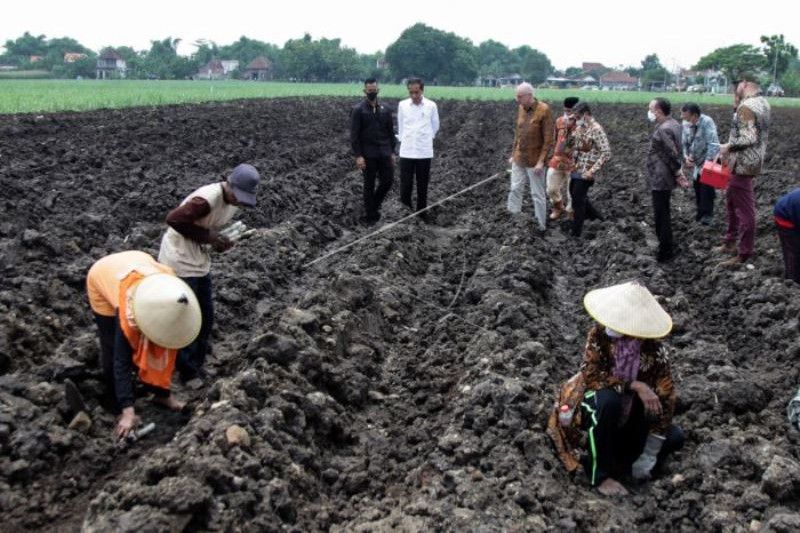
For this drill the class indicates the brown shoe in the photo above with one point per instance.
(558, 210)
(733, 261)
(727, 248)
(570, 214)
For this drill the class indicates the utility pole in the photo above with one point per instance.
(775, 71)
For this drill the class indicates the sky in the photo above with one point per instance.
(569, 32)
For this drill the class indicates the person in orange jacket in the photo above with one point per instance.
(144, 315)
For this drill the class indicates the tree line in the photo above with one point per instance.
(439, 57)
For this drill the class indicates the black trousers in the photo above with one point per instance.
(191, 359)
(116, 360)
(663, 220)
(613, 448)
(790, 244)
(409, 170)
(382, 169)
(581, 206)
(704, 197)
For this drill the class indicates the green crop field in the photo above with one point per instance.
(42, 96)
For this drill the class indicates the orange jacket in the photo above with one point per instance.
(155, 363)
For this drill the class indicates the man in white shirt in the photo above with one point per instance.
(417, 124)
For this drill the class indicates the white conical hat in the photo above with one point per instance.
(628, 308)
(166, 311)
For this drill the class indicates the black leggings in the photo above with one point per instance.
(613, 449)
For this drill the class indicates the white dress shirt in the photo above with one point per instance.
(417, 125)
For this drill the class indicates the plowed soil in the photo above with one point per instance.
(403, 384)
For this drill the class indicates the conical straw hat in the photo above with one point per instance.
(630, 309)
(166, 311)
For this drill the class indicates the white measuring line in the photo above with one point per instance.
(387, 227)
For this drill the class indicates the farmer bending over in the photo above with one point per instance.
(144, 315)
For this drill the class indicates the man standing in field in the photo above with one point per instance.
(533, 138)
(563, 161)
(744, 152)
(592, 152)
(194, 228)
(700, 144)
(664, 160)
(417, 124)
(373, 142)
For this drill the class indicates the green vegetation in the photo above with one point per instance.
(41, 96)
(25, 74)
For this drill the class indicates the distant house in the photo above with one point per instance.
(594, 69)
(35, 59)
(110, 65)
(217, 69)
(620, 81)
(229, 66)
(715, 82)
(71, 57)
(213, 70)
(506, 80)
(560, 82)
(259, 69)
(587, 66)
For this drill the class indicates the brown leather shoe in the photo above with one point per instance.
(727, 248)
(558, 210)
(733, 261)
(570, 214)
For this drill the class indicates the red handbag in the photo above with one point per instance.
(716, 175)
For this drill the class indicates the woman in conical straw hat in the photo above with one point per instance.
(623, 398)
(144, 315)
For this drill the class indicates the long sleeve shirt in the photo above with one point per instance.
(748, 138)
(593, 149)
(533, 136)
(417, 125)
(665, 157)
(788, 208)
(189, 228)
(654, 370)
(564, 148)
(103, 288)
(700, 142)
(372, 130)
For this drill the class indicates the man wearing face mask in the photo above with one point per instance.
(563, 160)
(373, 143)
(744, 152)
(664, 172)
(700, 144)
(592, 152)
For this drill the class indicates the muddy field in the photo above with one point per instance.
(403, 384)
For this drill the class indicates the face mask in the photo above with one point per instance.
(687, 124)
(581, 122)
(651, 116)
(614, 334)
(372, 96)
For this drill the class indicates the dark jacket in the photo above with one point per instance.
(665, 157)
(788, 207)
(372, 130)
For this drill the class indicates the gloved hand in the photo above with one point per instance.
(644, 464)
(793, 411)
(220, 242)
